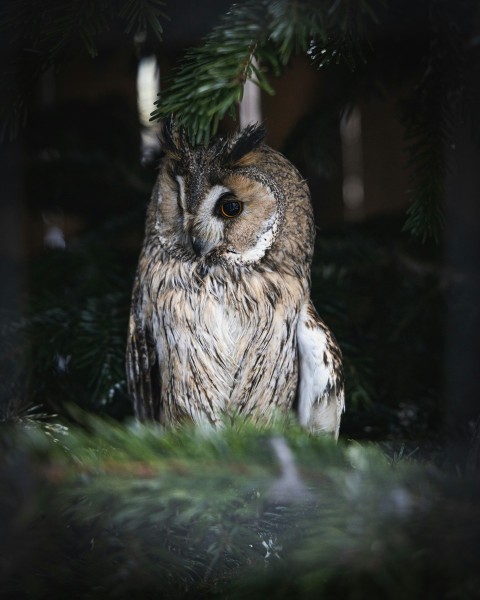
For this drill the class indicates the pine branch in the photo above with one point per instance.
(46, 28)
(109, 510)
(71, 343)
(141, 15)
(431, 115)
(253, 40)
(63, 22)
(211, 79)
(347, 33)
(98, 347)
(40, 34)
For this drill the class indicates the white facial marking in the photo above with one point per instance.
(204, 227)
(208, 203)
(181, 190)
(264, 242)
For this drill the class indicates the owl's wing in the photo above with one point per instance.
(321, 397)
(143, 373)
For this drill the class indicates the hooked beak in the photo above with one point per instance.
(198, 245)
(201, 246)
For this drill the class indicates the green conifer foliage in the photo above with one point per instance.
(39, 34)
(256, 40)
(114, 511)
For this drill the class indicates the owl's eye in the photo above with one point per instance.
(228, 207)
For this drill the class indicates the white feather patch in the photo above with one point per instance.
(208, 229)
(264, 242)
(318, 407)
(181, 190)
(211, 198)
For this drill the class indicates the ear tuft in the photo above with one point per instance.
(174, 140)
(247, 141)
(167, 137)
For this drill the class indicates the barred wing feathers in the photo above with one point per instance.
(142, 364)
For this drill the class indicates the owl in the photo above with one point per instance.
(221, 318)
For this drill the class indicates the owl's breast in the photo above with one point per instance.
(226, 344)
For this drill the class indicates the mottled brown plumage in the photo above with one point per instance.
(221, 320)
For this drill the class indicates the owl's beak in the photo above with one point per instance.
(201, 242)
(199, 246)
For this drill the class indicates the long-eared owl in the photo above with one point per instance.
(221, 320)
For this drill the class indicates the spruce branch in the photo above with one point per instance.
(141, 15)
(63, 22)
(71, 343)
(346, 36)
(39, 34)
(431, 114)
(46, 28)
(210, 81)
(116, 511)
(253, 40)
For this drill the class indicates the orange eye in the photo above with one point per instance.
(229, 208)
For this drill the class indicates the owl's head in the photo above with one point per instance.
(232, 202)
